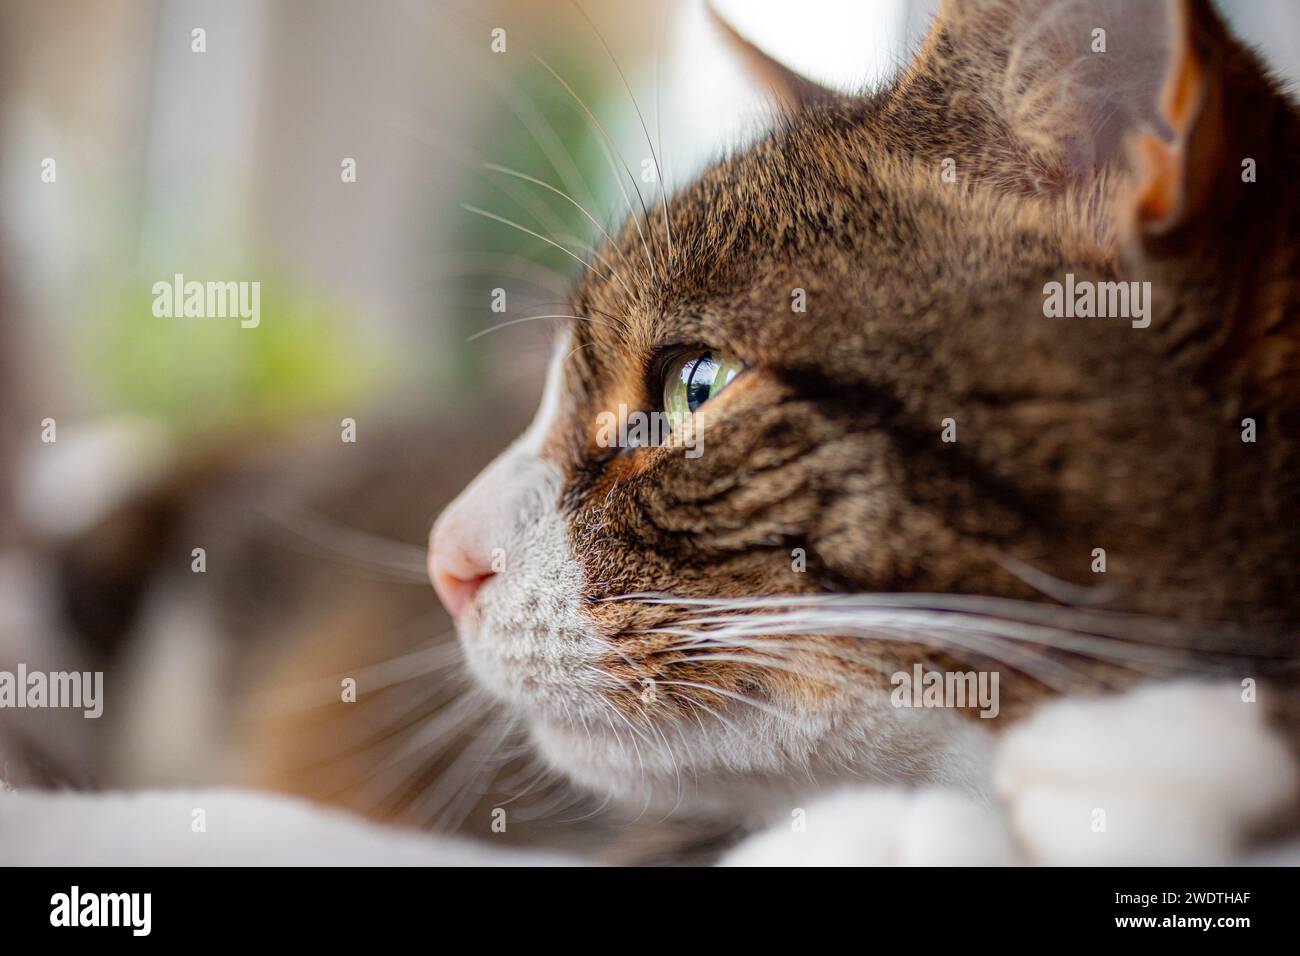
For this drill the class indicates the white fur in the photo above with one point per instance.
(1181, 772)
(876, 826)
(156, 828)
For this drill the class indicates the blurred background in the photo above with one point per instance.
(128, 155)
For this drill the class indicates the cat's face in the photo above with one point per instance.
(847, 336)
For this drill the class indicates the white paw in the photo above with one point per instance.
(1171, 773)
(872, 826)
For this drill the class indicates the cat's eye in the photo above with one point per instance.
(693, 378)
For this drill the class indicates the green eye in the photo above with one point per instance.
(693, 378)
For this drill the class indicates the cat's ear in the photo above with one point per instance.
(1064, 88)
(791, 90)
(1213, 208)
(1053, 89)
(1214, 101)
(1042, 96)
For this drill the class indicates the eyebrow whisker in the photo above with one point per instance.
(640, 117)
(468, 207)
(532, 318)
(617, 179)
(506, 170)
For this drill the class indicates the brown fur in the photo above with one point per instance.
(925, 302)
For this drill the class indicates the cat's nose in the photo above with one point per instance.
(466, 544)
(457, 566)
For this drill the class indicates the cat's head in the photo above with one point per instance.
(888, 446)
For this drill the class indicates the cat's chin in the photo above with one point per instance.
(767, 769)
(548, 678)
(580, 735)
(651, 780)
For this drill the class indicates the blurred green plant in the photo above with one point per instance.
(310, 354)
(202, 374)
(535, 127)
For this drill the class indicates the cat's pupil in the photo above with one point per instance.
(699, 376)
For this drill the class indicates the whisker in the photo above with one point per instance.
(401, 561)
(549, 220)
(1054, 587)
(498, 168)
(450, 800)
(494, 264)
(1140, 629)
(601, 129)
(372, 677)
(529, 318)
(1036, 666)
(516, 99)
(700, 705)
(662, 173)
(429, 739)
(939, 627)
(732, 695)
(654, 155)
(352, 747)
(468, 207)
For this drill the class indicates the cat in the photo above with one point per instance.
(903, 460)
(906, 455)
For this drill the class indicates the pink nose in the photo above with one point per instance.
(456, 570)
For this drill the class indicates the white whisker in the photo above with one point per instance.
(527, 318)
(497, 167)
(468, 207)
(654, 155)
(601, 129)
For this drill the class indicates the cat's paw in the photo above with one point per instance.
(876, 826)
(1170, 774)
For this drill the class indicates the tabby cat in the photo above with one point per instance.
(889, 457)
(888, 451)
